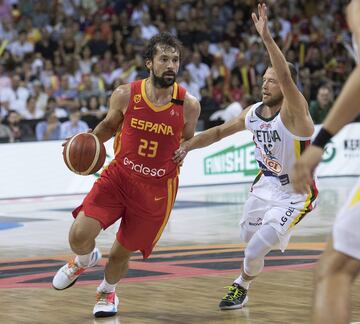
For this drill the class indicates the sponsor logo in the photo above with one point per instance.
(252, 120)
(159, 198)
(288, 213)
(232, 160)
(265, 125)
(138, 108)
(151, 127)
(144, 170)
(272, 165)
(137, 98)
(267, 136)
(329, 152)
(352, 148)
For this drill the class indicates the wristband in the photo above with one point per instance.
(322, 138)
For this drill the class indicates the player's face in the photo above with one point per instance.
(271, 92)
(164, 66)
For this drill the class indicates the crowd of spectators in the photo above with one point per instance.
(60, 59)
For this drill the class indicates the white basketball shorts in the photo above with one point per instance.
(346, 231)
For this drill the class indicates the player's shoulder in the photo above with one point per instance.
(121, 97)
(122, 90)
(191, 106)
(190, 102)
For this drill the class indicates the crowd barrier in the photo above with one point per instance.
(37, 168)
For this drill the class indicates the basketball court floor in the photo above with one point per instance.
(184, 279)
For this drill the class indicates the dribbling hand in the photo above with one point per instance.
(68, 138)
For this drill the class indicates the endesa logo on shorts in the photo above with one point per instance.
(144, 170)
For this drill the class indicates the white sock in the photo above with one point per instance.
(83, 260)
(106, 287)
(242, 282)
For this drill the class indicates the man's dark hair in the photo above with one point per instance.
(162, 39)
(293, 71)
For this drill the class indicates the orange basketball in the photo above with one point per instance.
(84, 154)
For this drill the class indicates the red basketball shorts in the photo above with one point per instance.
(144, 208)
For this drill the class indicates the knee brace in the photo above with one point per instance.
(260, 245)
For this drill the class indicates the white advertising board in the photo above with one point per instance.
(37, 168)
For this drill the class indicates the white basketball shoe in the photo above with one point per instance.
(106, 304)
(67, 275)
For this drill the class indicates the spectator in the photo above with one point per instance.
(20, 130)
(190, 85)
(31, 111)
(40, 96)
(200, 72)
(73, 126)
(19, 48)
(148, 30)
(5, 133)
(49, 129)
(92, 113)
(320, 107)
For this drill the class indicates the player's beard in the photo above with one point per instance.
(273, 101)
(162, 81)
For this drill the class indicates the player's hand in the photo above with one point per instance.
(302, 175)
(352, 16)
(261, 22)
(180, 154)
(68, 138)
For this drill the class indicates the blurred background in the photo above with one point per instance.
(60, 60)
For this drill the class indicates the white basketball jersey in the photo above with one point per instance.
(277, 148)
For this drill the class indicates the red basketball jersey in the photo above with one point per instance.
(150, 135)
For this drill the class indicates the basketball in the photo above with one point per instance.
(84, 154)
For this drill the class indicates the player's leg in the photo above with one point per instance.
(335, 273)
(141, 227)
(82, 236)
(116, 268)
(260, 244)
(102, 207)
(339, 265)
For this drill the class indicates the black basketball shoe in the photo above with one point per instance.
(235, 298)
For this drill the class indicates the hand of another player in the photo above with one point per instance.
(261, 22)
(302, 175)
(180, 154)
(68, 138)
(353, 16)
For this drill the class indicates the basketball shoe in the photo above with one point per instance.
(106, 304)
(67, 275)
(235, 298)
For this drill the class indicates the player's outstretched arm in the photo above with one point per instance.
(295, 107)
(211, 136)
(115, 115)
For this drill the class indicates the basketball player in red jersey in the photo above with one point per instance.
(149, 118)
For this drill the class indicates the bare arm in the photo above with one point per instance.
(118, 103)
(191, 116)
(211, 136)
(295, 107)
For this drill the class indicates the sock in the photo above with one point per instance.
(83, 260)
(242, 282)
(106, 287)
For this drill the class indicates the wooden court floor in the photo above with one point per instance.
(184, 279)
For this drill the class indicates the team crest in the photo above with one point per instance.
(137, 98)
